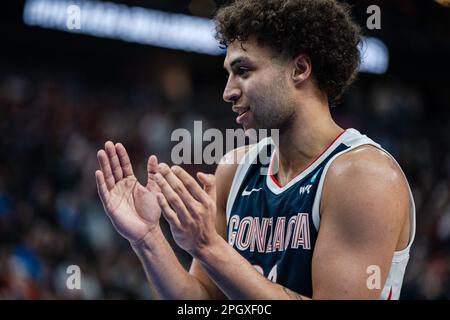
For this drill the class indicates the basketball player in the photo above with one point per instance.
(333, 219)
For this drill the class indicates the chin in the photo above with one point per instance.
(251, 129)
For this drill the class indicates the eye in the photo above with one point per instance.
(242, 71)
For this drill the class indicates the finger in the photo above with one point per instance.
(169, 214)
(191, 184)
(106, 169)
(173, 199)
(152, 169)
(178, 187)
(152, 164)
(209, 183)
(124, 160)
(102, 188)
(114, 161)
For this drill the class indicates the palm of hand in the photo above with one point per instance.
(134, 208)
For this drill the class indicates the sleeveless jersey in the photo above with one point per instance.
(275, 228)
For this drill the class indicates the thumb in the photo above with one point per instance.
(209, 183)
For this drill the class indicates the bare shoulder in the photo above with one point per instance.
(367, 162)
(228, 164)
(234, 156)
(366, 187)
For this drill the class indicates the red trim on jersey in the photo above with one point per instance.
(390, 294)
(275, 180)
(312, 162)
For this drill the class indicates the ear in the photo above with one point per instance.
(301, 69)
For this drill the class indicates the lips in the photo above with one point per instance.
(242, 114)
(240, 110)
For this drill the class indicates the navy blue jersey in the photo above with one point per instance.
(275, 228)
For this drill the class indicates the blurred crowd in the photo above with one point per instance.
(52, 124)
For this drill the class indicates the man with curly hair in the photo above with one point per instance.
(333, 219)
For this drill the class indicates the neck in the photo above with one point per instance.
(312, 131)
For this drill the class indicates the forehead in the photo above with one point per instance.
(248, 50)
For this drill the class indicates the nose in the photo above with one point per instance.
(231, 93)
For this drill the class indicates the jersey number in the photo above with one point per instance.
(272, 274)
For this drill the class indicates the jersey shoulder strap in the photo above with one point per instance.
(249, 158)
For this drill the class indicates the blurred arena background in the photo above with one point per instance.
(63, 94)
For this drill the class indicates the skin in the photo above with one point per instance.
(355, 231)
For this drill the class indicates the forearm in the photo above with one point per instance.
(164, 271)
(237, 278)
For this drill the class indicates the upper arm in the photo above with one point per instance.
(224, 178)
(364, 207)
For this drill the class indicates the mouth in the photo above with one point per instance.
(240, 110)
(242, 114)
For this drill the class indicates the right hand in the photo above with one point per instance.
(132, 208)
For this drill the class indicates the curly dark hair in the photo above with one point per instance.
(321, 29)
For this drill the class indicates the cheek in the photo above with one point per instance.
(265, 91)
(260, 91)
(268, 96)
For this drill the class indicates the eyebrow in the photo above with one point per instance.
(236, 61)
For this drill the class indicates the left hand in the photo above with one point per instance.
(189, 209)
